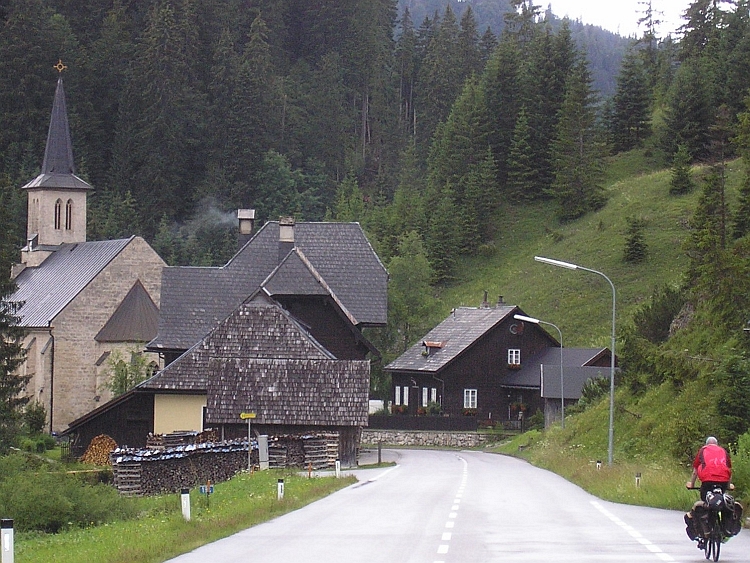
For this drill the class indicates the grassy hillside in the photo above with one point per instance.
(580, 303)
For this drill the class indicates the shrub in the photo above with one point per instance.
(49, 501)
(34, 418)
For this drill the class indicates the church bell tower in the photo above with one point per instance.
(57, 197)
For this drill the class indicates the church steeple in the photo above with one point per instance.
(57, 197)
(58, 156)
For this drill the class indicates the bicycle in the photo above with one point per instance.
(712, 530)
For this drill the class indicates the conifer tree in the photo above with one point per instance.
(12, 384)
(439, 79)
(578, 150)
(687, 116)
(631, 112)
(521, 173)
(442, 241)
(636, 248)
(742, 143)
(681, 181)
(502, 91)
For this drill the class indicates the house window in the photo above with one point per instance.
(425, 396)
(69, 215)
(58, 212)
(470, 398)
(406, 396)
(514, 357)
(433, 397)
(397, 398)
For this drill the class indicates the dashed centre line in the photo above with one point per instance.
(453, 514)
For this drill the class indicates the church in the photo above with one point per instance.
(82, 301)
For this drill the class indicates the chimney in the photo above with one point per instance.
(485, 304)
(500, 300)
(286, 236)
(246, 220)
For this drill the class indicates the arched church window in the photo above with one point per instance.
(69, 215)
(58, 212)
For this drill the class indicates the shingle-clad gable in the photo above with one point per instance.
(194, 300)
(289, 391)
(255, 330)
(454, 335)
(260, 359)
(48, 288)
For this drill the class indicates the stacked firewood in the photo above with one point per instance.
(99, 449)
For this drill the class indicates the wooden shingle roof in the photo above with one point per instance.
(257, 329)
(260, 359)
(195, 300)
(289, 391)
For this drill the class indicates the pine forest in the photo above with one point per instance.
(427, 122)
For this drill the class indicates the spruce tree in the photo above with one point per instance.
(681, 181)
(636, 248)
(12, 384)
(521, 172)
(688, 115)
(632, 114)
(578, 151)
(442, 241)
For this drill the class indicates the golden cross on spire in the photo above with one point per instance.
(59, 67)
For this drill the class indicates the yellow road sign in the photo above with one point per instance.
(246, 415)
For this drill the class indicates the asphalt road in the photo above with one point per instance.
(460, 507)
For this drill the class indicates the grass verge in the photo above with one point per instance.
(160, 532)
(660, 482)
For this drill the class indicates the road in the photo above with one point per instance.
(461, 507)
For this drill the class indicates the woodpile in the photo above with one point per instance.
(99, 449)
(162, 467)
(168, 469)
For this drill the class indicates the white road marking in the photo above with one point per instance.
(656, 550)
(443, 548)
(447, 536)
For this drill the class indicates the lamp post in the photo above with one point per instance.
(562, 388)
(569, 266)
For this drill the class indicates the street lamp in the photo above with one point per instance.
(569, 266)
(562, 393)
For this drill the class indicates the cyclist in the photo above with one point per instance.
(713, 466)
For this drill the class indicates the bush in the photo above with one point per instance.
(34, 418)
(49, 501)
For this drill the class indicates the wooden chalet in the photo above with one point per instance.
(291, 351)
(481, 361)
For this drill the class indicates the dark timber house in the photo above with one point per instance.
(275, 332)
(481, 361)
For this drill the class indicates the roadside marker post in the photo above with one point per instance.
(185, 501)
(280, 489)
(6, 525)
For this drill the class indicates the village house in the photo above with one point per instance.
(276, 332)
(482, 362)
(82, 301)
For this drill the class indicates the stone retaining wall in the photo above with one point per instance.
(425, 438)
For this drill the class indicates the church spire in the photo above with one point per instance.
(57, 197)
(58, 156)
(58, 169)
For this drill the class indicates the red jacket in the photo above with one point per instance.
(713, 464)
